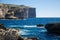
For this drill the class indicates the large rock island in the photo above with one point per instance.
(53, 27)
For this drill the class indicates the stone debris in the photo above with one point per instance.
(9, 34)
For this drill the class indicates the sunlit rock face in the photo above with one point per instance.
(1, 13)
(53, 27)
(9, 34)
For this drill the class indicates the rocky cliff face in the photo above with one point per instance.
(16, 11)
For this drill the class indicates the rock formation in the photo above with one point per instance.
(2, 27)
(8, 34)
(40, 25)
(53, 27)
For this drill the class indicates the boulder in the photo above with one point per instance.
(53, 27)
(2, 27)
(20, 38)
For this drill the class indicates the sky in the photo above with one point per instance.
(44, 8)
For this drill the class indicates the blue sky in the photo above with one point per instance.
(44, 8)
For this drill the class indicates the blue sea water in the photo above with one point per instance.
(29, 21)
(40, 33)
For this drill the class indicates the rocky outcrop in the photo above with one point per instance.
(53, 27)
(9, 34)
(2, 27)
(40, 25)
(20, 38)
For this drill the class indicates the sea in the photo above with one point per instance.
(40, 32)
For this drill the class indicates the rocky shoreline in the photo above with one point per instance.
(9, 34)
